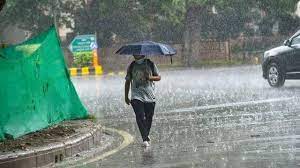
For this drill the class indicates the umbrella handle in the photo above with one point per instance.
(171, 60)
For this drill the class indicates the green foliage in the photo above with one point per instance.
(82, 59)
(278, 7)
(120, 21)
(288, 24)
(278, 11)
(36, 16)
(110, 18)
(92, 117)
(266, 26)
(236, 48)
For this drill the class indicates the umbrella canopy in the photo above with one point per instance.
(147, 48)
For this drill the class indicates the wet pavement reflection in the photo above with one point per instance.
(221, 117)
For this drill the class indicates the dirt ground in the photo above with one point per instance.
(55, 133)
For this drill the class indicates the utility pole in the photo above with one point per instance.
(187, 36)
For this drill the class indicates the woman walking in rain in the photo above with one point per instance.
(141, 75)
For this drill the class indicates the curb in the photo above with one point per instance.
(127, 140)
(53, 153)
(88, 71)
(97, 70)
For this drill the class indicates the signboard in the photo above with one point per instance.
(82, 43)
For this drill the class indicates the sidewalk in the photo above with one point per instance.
(53, 145)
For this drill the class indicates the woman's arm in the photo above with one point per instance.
(127, 86)
(154, 78)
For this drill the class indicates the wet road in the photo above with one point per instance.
(222, 117)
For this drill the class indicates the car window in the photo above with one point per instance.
(296, 40)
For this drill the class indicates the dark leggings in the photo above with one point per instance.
(144, 114)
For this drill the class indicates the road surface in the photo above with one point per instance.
(219, 117)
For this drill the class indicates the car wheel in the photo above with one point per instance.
(275, 75)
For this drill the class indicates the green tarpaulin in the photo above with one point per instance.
(35, 87)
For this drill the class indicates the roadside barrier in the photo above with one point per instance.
(97, 71)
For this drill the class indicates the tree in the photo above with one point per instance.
(227, 21)
(2, 3)
(120, 21)
(112, 20)
(37, 15)
(288, 24)
(280, 11)
(164, 18)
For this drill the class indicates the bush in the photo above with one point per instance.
(83, 59)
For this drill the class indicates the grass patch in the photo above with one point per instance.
(91, 117)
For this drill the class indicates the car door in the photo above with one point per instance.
(295, 54)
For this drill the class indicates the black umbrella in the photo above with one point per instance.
(147, 48)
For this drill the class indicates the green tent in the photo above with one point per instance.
(35, 87)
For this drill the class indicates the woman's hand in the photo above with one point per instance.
(153, 78)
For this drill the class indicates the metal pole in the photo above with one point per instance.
(95, 53)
